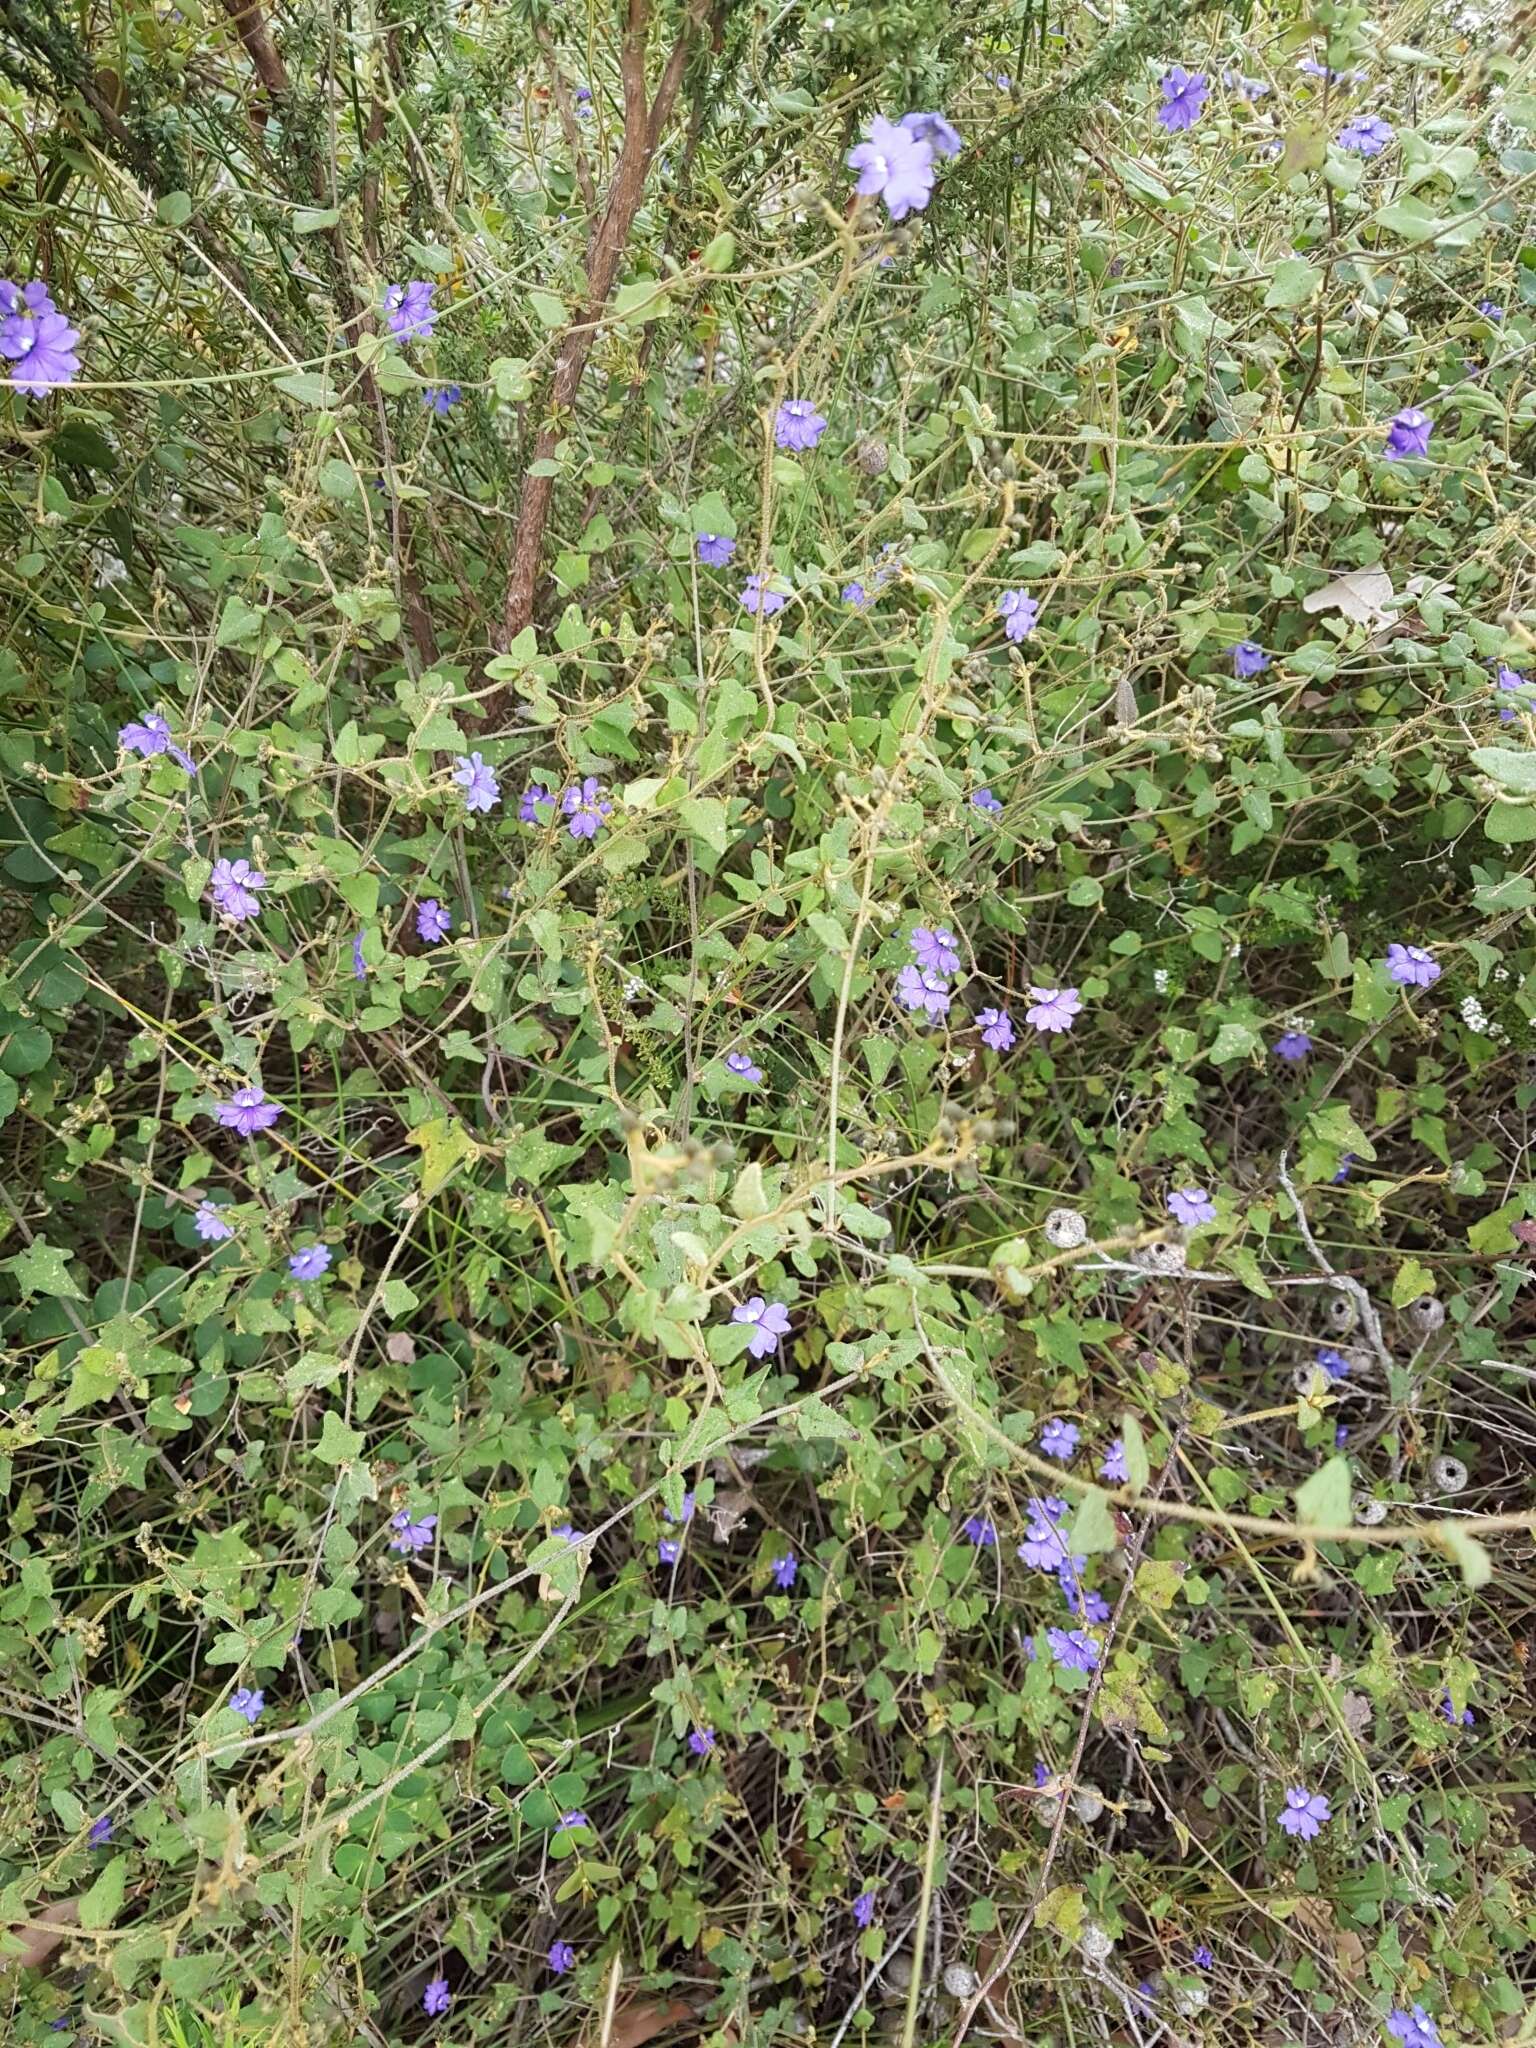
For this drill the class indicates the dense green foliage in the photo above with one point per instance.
(1146, 375)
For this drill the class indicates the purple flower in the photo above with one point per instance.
(742, 1065)
(586, 808)
(1333, 1363)
(984, 800)
(1085, 1602)
(1073, 1648)
(936, 951)
(864, 1909)
(798, 425)
(409, 311)
(668, 1550)
(1044, 1547)
(561, 1956)
(1490, 309)
(1367, 135)
(715, 549)
(437, 1998)
(933, 129)
(574, 1819)
(1340, 1436)
(433, 922)
(978, 1529)
(1408, 434)
(784, 1569)
(917, 988)
(101, 1832)
(1245, 88)
(1292, 1045)
(996, 1027)
(311, 1262)
(248, 1111)
(895, 163)
(1311, 68)
(855, 594)
(568, 1532)
(686, 1516)
(1248, 659)
(1059, 1439)
(210, 1225)
(1053, 1009)
(477, 778)
(441, 398)
(1019, 613)
(359, 964)
(1509, 678)
(232, 889)
(37, 340)
(1190, 1206)
(151, 735)
(247, 1703)
(1113, 1467)
(527, 804)
(1304, 1813)
(702, 1741)
(1346, 1161)
(769, 1320)
(1412, 966)
(1414, 2029)
(411, 1536)
(1202, 1958)
(1465, 1719)
(758, 595)
(1183, 96)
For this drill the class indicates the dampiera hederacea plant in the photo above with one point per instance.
(759, 597)
(477, 778)
(1292, 1045)
(933, 129)
(785, 1569)
(409, 311)
(151, 735)
(248, 1111)
(1305, 1813)
(714, 549)
(1367, 135)
(210, 1225)
(561, 1957)
(1113, 1468)
(233, 889)
(248, 1704)
(534, 798)
(896, 165)
(1059, 1439)
(935, 948)
(798, 426)
(996, 1028)
(743, 1066)
(1412, 966)
(769, 1322)
(919, 988)
(433, 921)
(413, 1533)
(1053, 1009)
(1408, 434)
(437, 1998)
(1020, 614)
(1183, 97)
(702, 1741)
(983, 800)
(1072, 1648)
(101, 1831)
(864, 1909)
(37, 341)
(1191, 1206)
(1248, 659)
(311, 1262)
(1414, 2029)
(585, 809)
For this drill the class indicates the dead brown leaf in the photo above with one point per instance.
(634, 2025)
(40, 1937)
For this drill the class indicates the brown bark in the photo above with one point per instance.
(643, 127)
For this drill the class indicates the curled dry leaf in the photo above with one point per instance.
(39, 1937)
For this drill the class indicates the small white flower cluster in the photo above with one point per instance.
(1160, 980)
(1476, 1018)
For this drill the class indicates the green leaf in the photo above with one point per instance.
(1411, 1282)
(175, 209)
(307, 387)
(548, 310)
(749, 1198)
(42, 1269)
(445, 1145)
(1294, 282)
(239, 622)
(704, 818)
(1322, 1502)
(1138, 1466)
(644, 299)
(814, 1418)
(314, 220)
(338, 1445)
(719, 253)
(512, 381)
(1513, 768)
(1509, 824)
(100, 1906)
(1092, 1528)
(1306, 149)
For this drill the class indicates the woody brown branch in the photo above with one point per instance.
(643, 128)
